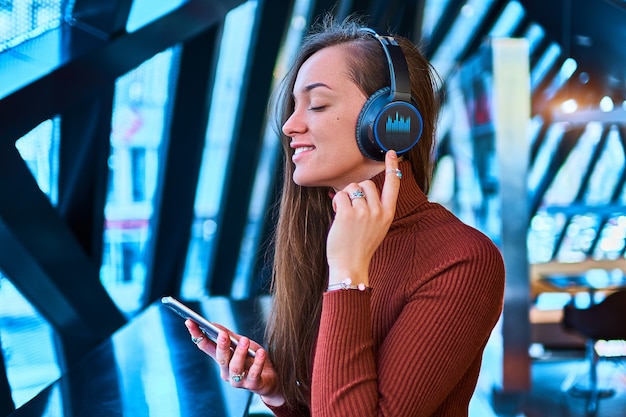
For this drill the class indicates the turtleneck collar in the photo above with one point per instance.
(410, 196)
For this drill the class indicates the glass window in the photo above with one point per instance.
(139, 113)
(23, 20)
(468, 194)
(226, 92)
(544, 156)
(508, 20)
(30, 366)
(544, 64)
(445, 58)
(534, 35)
(579, 236)
(267, 161)
(567, 182)
(612, 238)
(433, 10)
(545, 229)
(40, 150)
(143, 12)
(607, 171)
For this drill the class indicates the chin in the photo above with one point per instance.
(307, 181)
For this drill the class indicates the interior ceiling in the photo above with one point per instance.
(593, 32)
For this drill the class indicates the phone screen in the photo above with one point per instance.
(208, 328)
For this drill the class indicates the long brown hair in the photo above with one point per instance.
(305, 213)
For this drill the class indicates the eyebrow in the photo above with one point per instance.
(315, 85)
(311, 87)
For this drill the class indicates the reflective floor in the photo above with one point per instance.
(559, 369)
(151, 368)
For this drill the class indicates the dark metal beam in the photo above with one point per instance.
(319, 8)
(83, 171)
(81, 72)
(105, 18)
(443, 26)
(263, 262)
(272, 22)
(614, 204)
(7, 406)
(43, 259)
(397, 16)
(567, 143)
(53, 255)
(584, 185)
(480, 34)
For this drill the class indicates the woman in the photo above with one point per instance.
(422, 290)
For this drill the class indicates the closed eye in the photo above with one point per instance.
(317, 108)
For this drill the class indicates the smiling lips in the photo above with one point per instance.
(303, 149)
(298, 151)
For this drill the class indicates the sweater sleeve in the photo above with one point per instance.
(429, 360)
(344, 368)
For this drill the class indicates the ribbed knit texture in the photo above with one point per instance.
(412, 346)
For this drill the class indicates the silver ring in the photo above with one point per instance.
(197, 340)
(238, 377)
(356, 194)
(396, 171)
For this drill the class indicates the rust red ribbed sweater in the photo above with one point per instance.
(413, 346)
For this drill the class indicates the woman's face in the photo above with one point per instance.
(322, 127)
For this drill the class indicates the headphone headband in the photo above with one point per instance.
(389, 118)
(398, 68)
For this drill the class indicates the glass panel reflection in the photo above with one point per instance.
(579, 236)
(143, 12)
(545, 229)
(612, 239)
(23, 20)
(139, 114)
(31, 366)
(550, 143)
(607, 172)
(457, 38)
(148, 384)
(266, 170)
(509, 18)
(226, 92)
(26, 343)
(567, 182)
(40, 150)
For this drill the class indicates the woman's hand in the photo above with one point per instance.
(254, 374)
(362, 220)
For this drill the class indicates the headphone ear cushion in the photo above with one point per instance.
(385, 124)
(365, 123)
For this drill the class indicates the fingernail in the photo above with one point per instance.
(393, 154)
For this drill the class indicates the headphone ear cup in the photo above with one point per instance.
(365, 124)
(384, 124)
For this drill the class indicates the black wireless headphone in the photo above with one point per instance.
(389, 118)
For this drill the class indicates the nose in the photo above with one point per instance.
(293, 125)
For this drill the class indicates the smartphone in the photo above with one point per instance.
(208, 328)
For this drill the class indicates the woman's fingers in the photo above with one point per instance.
(200, 339)
(391, 186)
(235, 365)
(256, 369)
(237, 368)
(223, 354)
